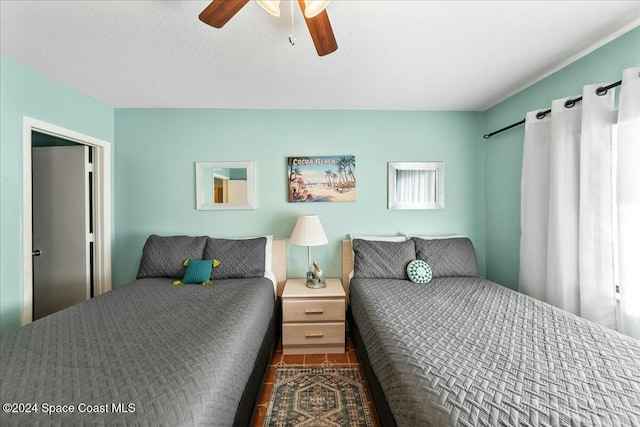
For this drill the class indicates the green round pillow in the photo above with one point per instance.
(419, 271)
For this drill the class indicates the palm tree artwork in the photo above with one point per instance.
(321, 179)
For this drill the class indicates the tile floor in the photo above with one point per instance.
(350, 358)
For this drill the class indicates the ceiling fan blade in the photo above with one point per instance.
(321, 31)
(219, 12)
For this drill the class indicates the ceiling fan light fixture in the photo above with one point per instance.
(271, 6)
(314, 7)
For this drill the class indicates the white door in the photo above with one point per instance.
(238, 191)
(61, 228)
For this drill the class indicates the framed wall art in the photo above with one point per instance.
(321, 179)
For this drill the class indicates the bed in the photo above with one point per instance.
(154, 351)
(463, 351)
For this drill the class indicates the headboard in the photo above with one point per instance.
(347, 265)
(279, 262)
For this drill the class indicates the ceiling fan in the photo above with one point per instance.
(219, 12)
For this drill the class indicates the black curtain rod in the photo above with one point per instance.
(602, 90)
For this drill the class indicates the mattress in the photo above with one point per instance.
(463, 351)
(148, 353)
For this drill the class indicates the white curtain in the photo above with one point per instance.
(415, 186)
(628, 199)
(581, 206)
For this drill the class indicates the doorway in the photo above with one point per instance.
(43, 140)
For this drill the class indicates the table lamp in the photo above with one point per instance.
(309, 232)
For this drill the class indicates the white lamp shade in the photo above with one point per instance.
(314, 7)
(308, 232)
(271, 6)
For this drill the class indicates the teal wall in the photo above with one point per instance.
(239, 174)
(503, 152)
(157, 151)
(25, 92)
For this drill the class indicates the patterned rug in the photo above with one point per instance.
(317, 396)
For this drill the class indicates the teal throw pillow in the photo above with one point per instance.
(198, 271)
(419, 271)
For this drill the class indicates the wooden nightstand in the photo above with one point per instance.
(313, 320)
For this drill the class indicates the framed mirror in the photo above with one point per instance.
(225, 185)
(416, 185)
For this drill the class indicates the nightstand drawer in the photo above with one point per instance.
(313, 310)
(313, 333)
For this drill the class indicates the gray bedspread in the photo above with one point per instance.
(148, 353)
(464, 351)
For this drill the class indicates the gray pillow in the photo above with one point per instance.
(375, 259)
(163, 256)
(238, 257)
(453, 256)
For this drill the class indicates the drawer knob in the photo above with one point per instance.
(314, 311)
(314, 335)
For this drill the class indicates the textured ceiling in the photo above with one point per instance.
(392, 55)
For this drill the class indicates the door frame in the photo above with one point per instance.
(102, 208)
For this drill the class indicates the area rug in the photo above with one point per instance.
(318, 396)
